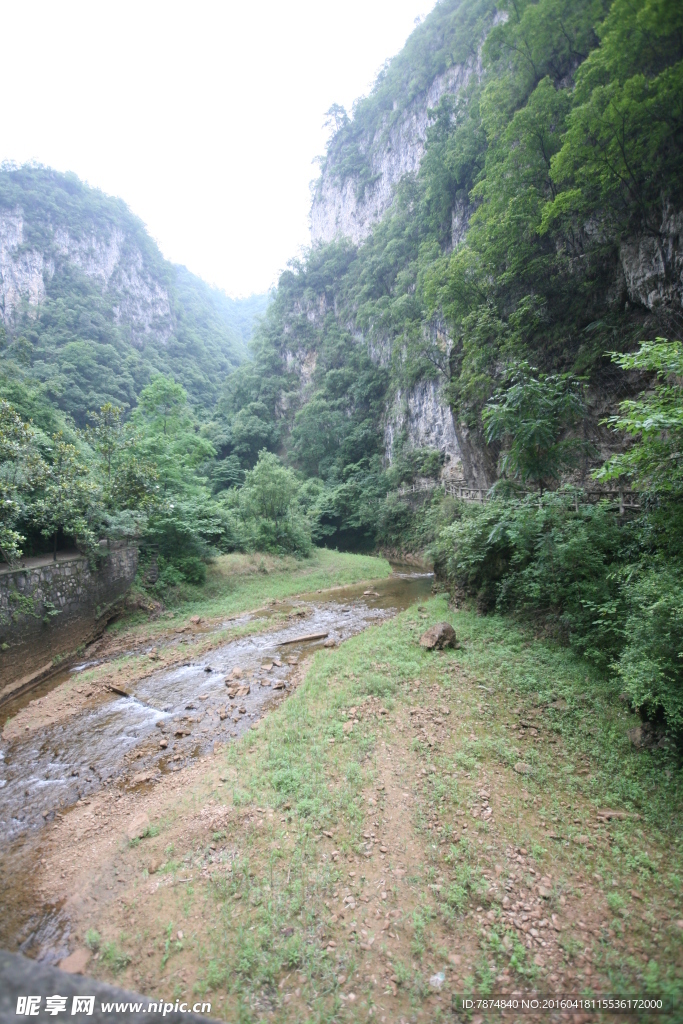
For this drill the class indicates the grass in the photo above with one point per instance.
(292, 912)
(237, 583)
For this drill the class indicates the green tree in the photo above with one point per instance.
(654, 421)
(68, 500)
(269, 507)
(106, 435)
(21, 472)
(168, 437)
(162, 400)
(530, 417)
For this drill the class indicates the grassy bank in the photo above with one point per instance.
(408, 827)
(237, 583)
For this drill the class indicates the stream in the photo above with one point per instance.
(167, 720)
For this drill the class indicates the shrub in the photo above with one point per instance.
(651, 663)
(546, 553)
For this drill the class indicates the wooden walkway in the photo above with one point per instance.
(478, 495)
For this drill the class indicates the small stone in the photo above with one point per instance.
(330, 642)
(236, 672)
(544, 892)
(195, 620)
(438, 637)
(137, 826)
(154, 865)
(76, 962)
(347, 727)
(522, 768)
(163, 744)
(180, 935)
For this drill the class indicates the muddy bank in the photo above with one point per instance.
(90, 748)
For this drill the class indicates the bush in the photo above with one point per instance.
(547, 554)
(270, 511)
(193, 569)
(651, 663)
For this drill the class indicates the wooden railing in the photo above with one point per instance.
(626, 499)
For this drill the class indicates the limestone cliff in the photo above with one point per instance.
(139, 300)
(90, 307)
(342, 207)
(384, 143)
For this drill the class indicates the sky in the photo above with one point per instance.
(205, 117)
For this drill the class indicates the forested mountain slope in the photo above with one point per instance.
(510, 191)
(90, 309)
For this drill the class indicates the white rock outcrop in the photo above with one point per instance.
(337, 210)
(653, 264)
(426, 421)
(139, 300)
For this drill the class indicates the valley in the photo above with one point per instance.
(232, 767)
(391, 830)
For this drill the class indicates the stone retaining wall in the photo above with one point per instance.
(50, 610)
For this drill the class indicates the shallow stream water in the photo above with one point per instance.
(189, 706)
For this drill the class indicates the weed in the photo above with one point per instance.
(116, 959)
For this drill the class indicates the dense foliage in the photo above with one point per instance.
(497, 273)
(611, 583)
(114, 311)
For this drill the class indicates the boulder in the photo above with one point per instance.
(437, 637)
(643, 735)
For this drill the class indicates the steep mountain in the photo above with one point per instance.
(90, 308)
(368, 156)
(510, 192)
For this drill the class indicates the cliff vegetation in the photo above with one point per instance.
(523, 281)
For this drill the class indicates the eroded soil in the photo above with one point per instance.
(403, 830)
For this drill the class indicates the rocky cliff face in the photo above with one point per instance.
(340, 208)
(112, 260)
(344, 208)
(425, 420)
(356, 190)
(653, 265)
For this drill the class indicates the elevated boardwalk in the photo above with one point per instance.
(626, 500)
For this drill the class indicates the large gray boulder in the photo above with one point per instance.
(21, 978)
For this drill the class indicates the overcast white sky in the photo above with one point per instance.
(203, 116)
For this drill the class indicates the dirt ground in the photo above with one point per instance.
(403, 831)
